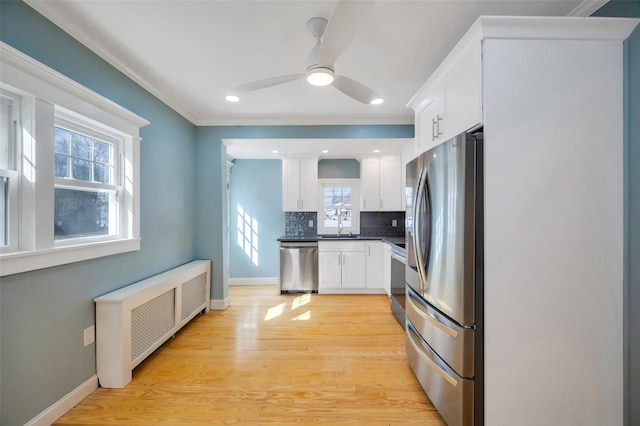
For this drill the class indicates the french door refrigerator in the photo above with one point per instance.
(444, 275)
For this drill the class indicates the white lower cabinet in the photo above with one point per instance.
(374, 275)
(341, 266)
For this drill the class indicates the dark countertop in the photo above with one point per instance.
(313, 238)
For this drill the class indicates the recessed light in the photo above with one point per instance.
(275, 151)
(232, 98)
(324, 151)
(376, 151)
(377, 101)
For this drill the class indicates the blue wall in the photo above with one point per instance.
(43, 313)
(256, 186)
(632, 204)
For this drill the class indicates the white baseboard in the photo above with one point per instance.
(219, 304)
(66, 403)
(254, 281)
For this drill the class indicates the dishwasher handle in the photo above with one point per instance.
(301, 244)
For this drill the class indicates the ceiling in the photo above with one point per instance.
(190, 53)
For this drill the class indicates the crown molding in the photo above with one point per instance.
(78, 27)
(587, 7)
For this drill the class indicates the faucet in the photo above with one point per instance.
(340, 227)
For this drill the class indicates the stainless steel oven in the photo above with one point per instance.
(398, 260)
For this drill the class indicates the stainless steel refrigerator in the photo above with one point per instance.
(444, 275)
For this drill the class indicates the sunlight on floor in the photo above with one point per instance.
(274, 312)
(300, 301)
(277, 310)
(304, 317)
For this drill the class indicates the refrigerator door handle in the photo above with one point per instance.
(430, 362)
(431, 318)
(417, 225)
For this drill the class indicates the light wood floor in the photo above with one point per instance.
(271, 359)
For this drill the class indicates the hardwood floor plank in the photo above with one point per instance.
(271, 359)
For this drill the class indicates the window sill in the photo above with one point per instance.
(24, 261)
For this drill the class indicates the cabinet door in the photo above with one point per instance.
(308, 185)
(290, 185)
(370, 184)
(429, 121)
(353, 269)
(391, 183)
(329, 269)
(462, 97)
(374, 265)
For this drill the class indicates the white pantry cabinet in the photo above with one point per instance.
(550, 101)
(300, 185)
(381, 183)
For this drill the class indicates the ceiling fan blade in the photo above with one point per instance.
(267, 82)
(346, 19)
(357, 91)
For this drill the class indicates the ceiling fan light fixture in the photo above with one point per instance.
(232, 98)
(320, 76)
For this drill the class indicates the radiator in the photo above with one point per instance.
(135, 320)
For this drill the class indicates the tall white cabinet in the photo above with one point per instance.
(549, 95)
(381, 183)
(299, 184)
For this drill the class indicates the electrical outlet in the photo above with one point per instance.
(394, 222)
(310, 224)
(89, 335)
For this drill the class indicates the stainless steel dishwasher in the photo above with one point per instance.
(298, 267)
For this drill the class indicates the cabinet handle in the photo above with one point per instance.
(339, 260)
(433, 129)
(301, 204)
(439, 121)
(344, 259)
(380, 202)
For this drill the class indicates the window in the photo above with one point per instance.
(69, 187)
(339, 211)
(87, 191)
(9, 176)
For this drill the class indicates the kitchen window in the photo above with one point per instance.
(339, 212)
(70, 189)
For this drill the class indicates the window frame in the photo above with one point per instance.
(12, 174)
(47, 96)
(354, 185)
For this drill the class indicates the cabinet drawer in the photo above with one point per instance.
(341, 246)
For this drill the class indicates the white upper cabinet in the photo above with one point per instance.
(381, 184)
(300, 185)
(450, 102)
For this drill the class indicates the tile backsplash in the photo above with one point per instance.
(297, 224)
(381, 224)
(371, 223)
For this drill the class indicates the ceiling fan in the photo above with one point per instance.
(332, 38)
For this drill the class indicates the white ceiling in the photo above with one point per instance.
(189, 53)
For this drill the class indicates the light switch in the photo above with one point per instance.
(311, 224)
(394, 222)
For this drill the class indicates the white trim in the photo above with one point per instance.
(304, 121)
(20, 70)
(15, 263)
(253, 281)
(79, 28)
(66, 403)
(587, 7)
(220, 304)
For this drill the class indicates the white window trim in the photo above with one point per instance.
(355, 205)
(43, 91)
